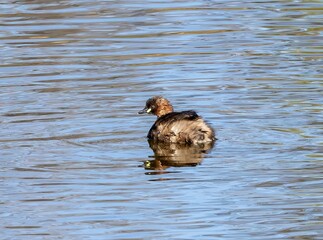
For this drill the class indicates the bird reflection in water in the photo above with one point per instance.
(176, 155)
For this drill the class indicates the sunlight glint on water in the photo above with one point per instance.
(75, 163)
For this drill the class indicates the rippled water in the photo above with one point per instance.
(75, 163)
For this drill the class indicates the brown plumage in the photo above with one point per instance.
(176, 127)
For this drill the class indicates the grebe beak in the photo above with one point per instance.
(145, 110)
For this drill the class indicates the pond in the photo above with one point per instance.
(75, 161)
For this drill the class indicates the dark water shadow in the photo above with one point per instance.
(176, 155)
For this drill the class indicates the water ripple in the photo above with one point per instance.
(75, 163)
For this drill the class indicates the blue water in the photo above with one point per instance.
(75, 162)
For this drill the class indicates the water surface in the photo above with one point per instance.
(75, 163)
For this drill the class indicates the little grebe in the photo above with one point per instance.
(176, 127)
